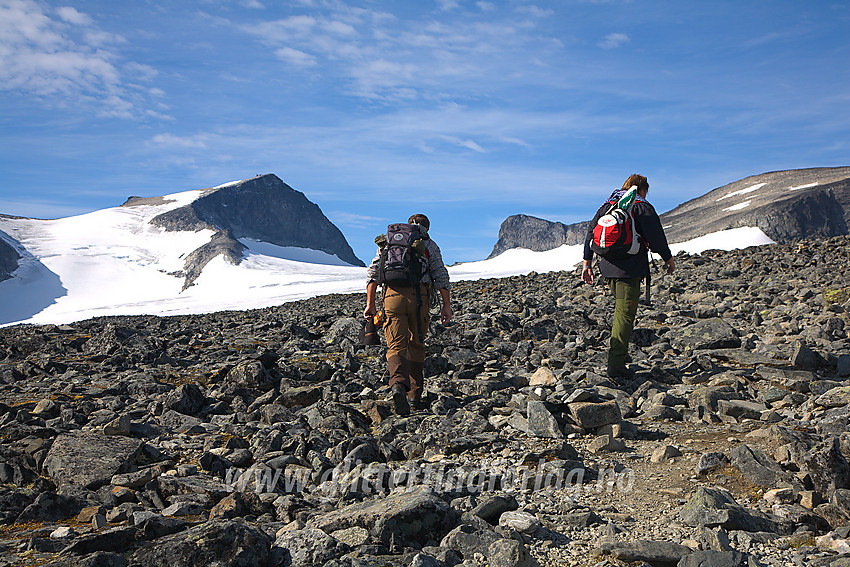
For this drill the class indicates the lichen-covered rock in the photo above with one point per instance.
(658, 553)
(706, 334)
(307, 547)
(589, 415)
(216, 543)
(541, 422)
(417, 515)
(88, 459)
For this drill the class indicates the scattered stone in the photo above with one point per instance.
(757, 467)
(590, 416)
(543, 376)
(665, 453)
(541, 422)
(308, 547)
(213, 543)
(520, 521)
(710, 462)
(606, 443)
(714, 559)
(418, 515)
(509, 553)
(713, 333)
(121, 425)
(657, 553)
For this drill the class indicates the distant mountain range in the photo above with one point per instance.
(226, 245)
(263, 208)
(785, 205)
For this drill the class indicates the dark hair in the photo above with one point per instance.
(636, 179)
(420, 219)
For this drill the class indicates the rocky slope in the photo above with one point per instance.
(264, 437)
(785, 205)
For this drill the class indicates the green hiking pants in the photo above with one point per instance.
(627, 293)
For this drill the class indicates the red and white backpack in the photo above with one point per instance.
(614, 234)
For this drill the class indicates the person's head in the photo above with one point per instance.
(640, 181)
(420, 219)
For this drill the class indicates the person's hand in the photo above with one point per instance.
(671, 265)
(370, 310)
(446, 314)
(587, 275)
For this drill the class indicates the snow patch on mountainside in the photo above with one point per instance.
(744, 191)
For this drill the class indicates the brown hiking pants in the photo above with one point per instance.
(405, 348)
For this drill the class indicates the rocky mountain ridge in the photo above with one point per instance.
(8, 257)
(785, 205)
(266, 438)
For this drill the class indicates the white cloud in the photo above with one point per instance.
(72, 16)
(339, 28)
(535, 11)
(469, 144)
(62, 64)
(353, 220)
(379, 57)
(253, 4)
(295, 57)
(199, 141)
(614, 40)
(283, 30)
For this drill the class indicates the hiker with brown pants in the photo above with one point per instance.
(410, 267)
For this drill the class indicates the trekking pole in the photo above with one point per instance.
(649, 267)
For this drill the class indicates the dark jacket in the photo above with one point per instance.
(648, 225)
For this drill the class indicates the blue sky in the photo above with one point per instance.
(468, 111)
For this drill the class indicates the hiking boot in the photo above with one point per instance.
(619, 372)
(418, 405)
(402, 406)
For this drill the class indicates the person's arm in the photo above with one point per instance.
(587, 272)
(440, 279)
(649, 227)
(446, 310)
(372, 285)
(371, 293)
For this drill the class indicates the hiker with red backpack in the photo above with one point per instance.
(623, 231)
(410, 267)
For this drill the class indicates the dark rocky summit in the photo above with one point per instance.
(262, 208)
(785, 205)
(265, 437)
(8, 258)
(532, 233)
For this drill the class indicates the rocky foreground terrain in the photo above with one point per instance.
(264, 438)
